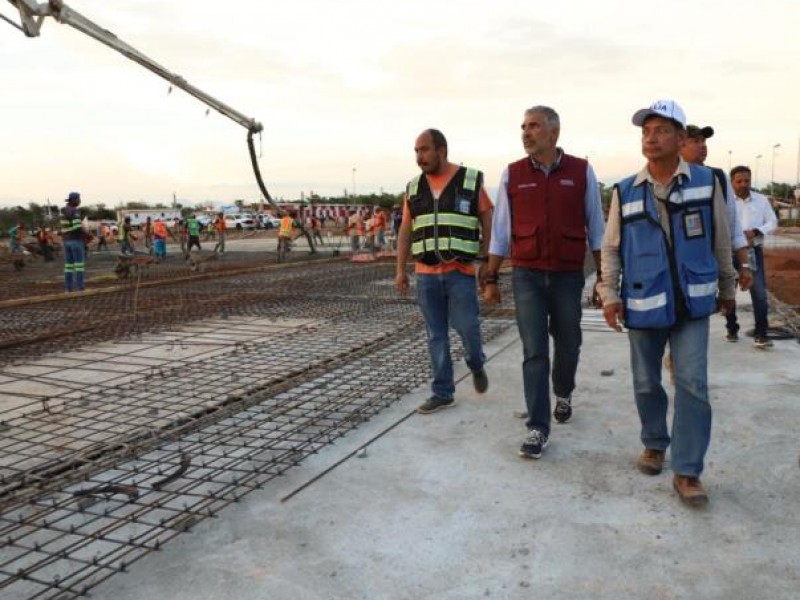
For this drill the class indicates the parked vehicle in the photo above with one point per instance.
(240, 221)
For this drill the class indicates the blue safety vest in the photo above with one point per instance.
(663, 282)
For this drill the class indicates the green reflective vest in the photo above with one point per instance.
(447, 228)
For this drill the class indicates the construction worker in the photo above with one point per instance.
(45, 243)
(354, 229)
(74, 238)
(147, 229)
(379, 228)
(102, 234)
(193, 231)
(219, 227)
(160, 233)
(286, 230)
(16, 234)
(125, 236)
(316, 230)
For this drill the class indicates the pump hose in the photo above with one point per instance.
(263, 188)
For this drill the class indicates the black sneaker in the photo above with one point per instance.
(434, 403)
(480, 381)
(732, 337)
(533, 445)
(563, 410)
(761, 341)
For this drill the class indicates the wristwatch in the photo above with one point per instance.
(745, 266)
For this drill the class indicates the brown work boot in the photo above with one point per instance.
(690, 490)
(651, 461)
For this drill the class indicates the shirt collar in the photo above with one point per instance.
(682, 170)
(542, 167)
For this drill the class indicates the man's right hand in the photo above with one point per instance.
(491, 294)
(401, 283)
(614, 315)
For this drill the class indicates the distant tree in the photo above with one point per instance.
(137, 206)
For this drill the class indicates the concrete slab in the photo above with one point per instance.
(442, 507)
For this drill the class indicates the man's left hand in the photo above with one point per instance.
(745, 279)
(726, 307)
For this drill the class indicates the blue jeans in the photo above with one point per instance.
(758, 295)
(547, 302)
(691, 422)
(450, 299)
(73, 264)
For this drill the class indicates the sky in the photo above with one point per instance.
(343, 88)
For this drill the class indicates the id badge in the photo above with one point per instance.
(464, 205)
(693, 225)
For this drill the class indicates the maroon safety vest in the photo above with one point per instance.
(548, 215)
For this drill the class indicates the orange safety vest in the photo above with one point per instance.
(379, 222)
(160, 229)
(286, 227)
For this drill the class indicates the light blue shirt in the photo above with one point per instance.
(501, 223)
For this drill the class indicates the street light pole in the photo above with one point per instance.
(730, 153)
(772, 183)
(354, 182)
(755, 181)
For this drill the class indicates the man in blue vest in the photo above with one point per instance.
(666, 267)
(447, 221)
(74, 242)
(548, 213)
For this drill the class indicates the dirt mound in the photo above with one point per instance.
(783, 274)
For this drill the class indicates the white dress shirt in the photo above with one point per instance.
(755, 212)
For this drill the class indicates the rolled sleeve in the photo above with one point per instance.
(501, 221)
(594, 210)
(722, 247)
(610, 264)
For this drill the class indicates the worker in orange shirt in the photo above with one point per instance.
(379, 229)
(286, 230)
(160, 233)
(219, 227)
(447, 223)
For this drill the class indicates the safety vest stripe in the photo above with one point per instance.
(470, 179)
(649, 303)
(697, 290)
(445, 219)
(698, 193)
(632, 208)
(413, 186)
(445, 244)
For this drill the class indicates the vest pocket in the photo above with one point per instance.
(573, 245)
(700, 289)
(648, 302)
(526, 246)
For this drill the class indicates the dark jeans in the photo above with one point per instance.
(691, 419)
(73, 264)
(547, 303)
(450, 299)
(758, 295)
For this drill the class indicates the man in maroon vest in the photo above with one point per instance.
(548, 206)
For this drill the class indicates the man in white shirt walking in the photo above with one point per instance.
(758, 220)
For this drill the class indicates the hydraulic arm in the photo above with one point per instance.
(32, 15)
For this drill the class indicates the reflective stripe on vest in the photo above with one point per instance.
(445, 228)
(455, 219)
(662, 282)
(445, 245)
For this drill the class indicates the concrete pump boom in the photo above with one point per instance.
(32, 14)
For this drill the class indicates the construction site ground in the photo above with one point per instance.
(249, 432)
